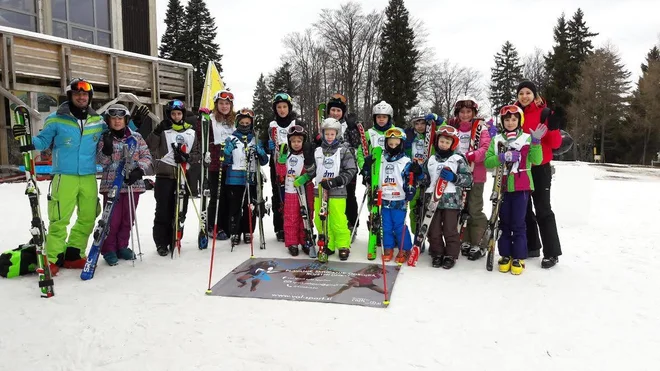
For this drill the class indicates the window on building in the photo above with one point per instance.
(82, 20)
(19, 14)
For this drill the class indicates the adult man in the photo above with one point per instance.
(72, 132)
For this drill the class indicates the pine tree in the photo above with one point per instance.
(262, 106)
(398, 65)
(505, 76)
(645, 111)
(282, 80)
(579, 38)
(652, 56)
(199, 32)
(559, 66)
(170, 44)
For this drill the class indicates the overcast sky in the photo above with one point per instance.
(468, 33)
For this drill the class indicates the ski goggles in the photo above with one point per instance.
(81, 86)
(466, 104)
(394, 133)
(339, 97)
(177, 104)
(224, 95)
(117, 112)
(446, 130)
(296, 129)
(246, 112)
(282, 97)
(510, 109)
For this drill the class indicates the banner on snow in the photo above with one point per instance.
(308, 280)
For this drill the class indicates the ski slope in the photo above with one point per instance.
(598, 309)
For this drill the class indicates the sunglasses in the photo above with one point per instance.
(117, 112)
(279, 97)
(339, 97)
(246, 112)
(296, 129)
(510, 109)
(81, 86)
(224, 95)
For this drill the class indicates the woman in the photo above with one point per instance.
(536, 112)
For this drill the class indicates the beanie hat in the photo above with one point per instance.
(527, 84)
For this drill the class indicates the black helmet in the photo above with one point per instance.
(79, 84)
(175, 105)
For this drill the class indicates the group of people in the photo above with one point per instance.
(398, 166)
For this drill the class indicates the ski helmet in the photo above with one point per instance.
(416, 113)
(282, 97)
(337, 100)
(80, 84)
(466, 102)
(117, 110)
(175, 105)
(512, 109)
(395, 133)
(296, 131)
(447, 132)
(330, 124)
(243, 113)
(382, 108)
(224, 94)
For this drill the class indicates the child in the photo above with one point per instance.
(173, 142)
(284, 119)
(110, 153)
(382, 114)
(240, 148)
(221, 127)
(395, 170)
(474, 141)
(415, 146)
(334, 166)
(294, 231)
(446, 164)
(522, 151)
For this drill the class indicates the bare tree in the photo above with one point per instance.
(447, 82)
(534, 69)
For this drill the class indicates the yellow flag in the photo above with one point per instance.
(212, 84)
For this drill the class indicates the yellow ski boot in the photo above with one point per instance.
(505, 264)
(517, 266)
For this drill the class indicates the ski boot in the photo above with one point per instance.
(448, 262)
(437, 261)
(111, 258)
(293, 250)
(247, 238)
(221, 235)
(73, 259)
(504, 264)
(305, 248)
(402, 257)
(280, 236)
(235, 240)
(126, 253)
(550, 262)
(344, 253)
(163, 250)
(465, 248)
(476, 252)
(517, 266)
(422, 248)
(388, 254)
(371, 254)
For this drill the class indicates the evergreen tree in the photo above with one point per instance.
(505, 77)
(645, 113)
(579, 38)
(170, 44)
(282, 80)
(398, 65)
(199, 32)
(559, 66)
(652, 56)
(262, 105)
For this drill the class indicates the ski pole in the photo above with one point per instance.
(364, 199)
(405, 208)
(134, 220)
(130, 219)
(379, 201)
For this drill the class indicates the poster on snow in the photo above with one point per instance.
(308, 280)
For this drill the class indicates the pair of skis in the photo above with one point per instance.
(464, 216)
(492, 232)
(375, 216)
(37, 227)
(323, 215)
(203, 237)
(307, 222)
(423, 200)
(429, 212)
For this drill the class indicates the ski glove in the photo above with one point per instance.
(509, 156)
(368, 162)
(431, 117)
(470, 156)
(492, 130)
(19, 261)
(230, 146)
(308, 153)
(179, 155)
(261, 152)
(351, 121)
(139, 114)
(301, 180)
(448, 175)
(415, 169)
(135, 175)
(207, 157)
(410, 193)
(331, 183)
(271, 145)
(539, 133)
(204, 111)
(19, 131)
(164, 125)
(108, 143)
(557, 118)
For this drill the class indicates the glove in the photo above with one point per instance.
(351, 121)
(180, 156)
(410, 193)
(204, 111)
(108, 143)
(164, 125)
(492, 130)
(431, 117)
(539, 133)
(139, 114)
(271, 145)
(470, 156)
(231, 146)
(207, 157)
(19, 131)
(557, 118)
(330, 183)
(301, 180)
(284, 152)
(448, 175)
(317, 140)
(509, 156)
(135, 175)
(25, 258)
(308, 153)
(26, 148)
(261, 152)
(368, 162)
(415, 169)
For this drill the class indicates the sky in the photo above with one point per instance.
(250, 32)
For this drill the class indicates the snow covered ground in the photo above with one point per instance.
(596, 310)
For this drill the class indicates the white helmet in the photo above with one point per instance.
(467, 102)
(331, 124)
(416, 113)
(383, 108)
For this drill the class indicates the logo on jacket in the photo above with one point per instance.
(381, 141)
(329, 163)
(419, 146)
(389, 169)
(293, 161)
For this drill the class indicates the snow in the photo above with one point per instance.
(596, 310)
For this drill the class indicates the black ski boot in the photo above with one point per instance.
(437, 261)
(476, 253)
(344, 253)
(550, 262)
(163, 250)
(280, 236)
(247, 238)
(293, 250)
(448, 262)
(305, 249)
(235, 240)
(465, 248)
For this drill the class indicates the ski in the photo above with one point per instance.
(320, 115)
(492, 232)
(205, 194)
(179, 212)
(422, 201)
(276, 158)
(323, 215)
(261, 203)
(37, 227)
(307, 223)
(423, 229)
(103, 225)
(217, 199)
(464, 216)
(374, 213)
